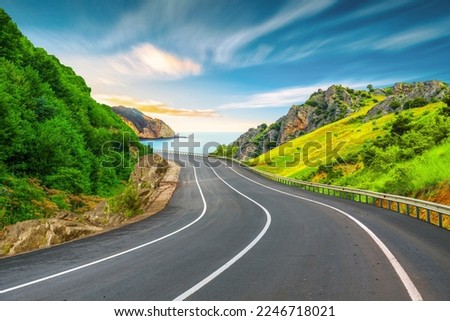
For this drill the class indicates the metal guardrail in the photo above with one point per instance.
(434, 213)
(158, 151)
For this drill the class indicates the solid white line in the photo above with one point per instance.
(118, 254)
(212, 276)
(406, 280)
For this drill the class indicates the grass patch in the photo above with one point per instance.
(406, 153)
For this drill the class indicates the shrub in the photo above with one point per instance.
(401, 125)
(389, 91)
(395, 104)
(127, 202)
(415, 103)
(400, 182)
(71, 180)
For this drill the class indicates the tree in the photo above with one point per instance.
(370, 88)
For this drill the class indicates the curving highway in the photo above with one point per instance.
(228, 234)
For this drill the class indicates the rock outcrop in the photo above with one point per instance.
(144, 126)
(403, 96)
(154, 179)
(298, 121)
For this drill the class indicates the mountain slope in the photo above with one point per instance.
(404, 152)
(323, 107)
(144, 126)
(57, 142)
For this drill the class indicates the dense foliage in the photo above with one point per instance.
(53, 135)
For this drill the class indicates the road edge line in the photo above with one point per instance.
(117, 254)
(238, 256)
(411, 289)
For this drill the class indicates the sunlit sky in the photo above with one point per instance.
(227, 65)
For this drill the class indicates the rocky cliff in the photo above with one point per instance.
(144, 126)
(337, 102)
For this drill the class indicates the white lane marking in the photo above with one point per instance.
(118, 254)
(406, 280)
(212, 276)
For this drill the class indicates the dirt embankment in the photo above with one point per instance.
(153, 180)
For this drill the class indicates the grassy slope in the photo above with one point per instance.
(348, 130)
(425, 176)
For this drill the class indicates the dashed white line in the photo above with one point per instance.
(406, 280)
(118, 254)
(219, 271)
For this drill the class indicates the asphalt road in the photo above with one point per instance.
(228, 234)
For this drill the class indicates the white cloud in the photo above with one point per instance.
(149, 61)
(215, 124)
(411, 37)
(152, 19)
(226, 51)
(279, 98)
(378, 7)
(154, 107)
(298, 52)
(287, 97)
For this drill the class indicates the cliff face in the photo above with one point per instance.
(144, 126)
(337, 102)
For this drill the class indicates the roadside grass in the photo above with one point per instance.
(421, 176)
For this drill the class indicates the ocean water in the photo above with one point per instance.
(201, 142)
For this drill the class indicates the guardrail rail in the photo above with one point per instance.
(433, 213)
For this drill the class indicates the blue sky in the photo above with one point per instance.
(227, 65)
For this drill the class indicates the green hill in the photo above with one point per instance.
(57, 144)
(399, 144)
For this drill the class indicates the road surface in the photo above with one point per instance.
(228, 234)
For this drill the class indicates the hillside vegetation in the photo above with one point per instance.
(322, 108)
(395, 145)
(57, 144)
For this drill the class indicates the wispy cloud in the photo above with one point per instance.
(148, 18)
(413, 37)
(149, 61)
(378, 8)
(154, 107)
(227, 50)
(287, 97)
(279, 98)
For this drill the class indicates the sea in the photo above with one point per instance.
(199, 142)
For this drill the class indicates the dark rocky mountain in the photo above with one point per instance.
(144, 126)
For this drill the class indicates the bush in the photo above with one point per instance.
(126, 203)
(415, 103)
(401, 125)
(395, 104)
(400, 183)
(71, 180)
